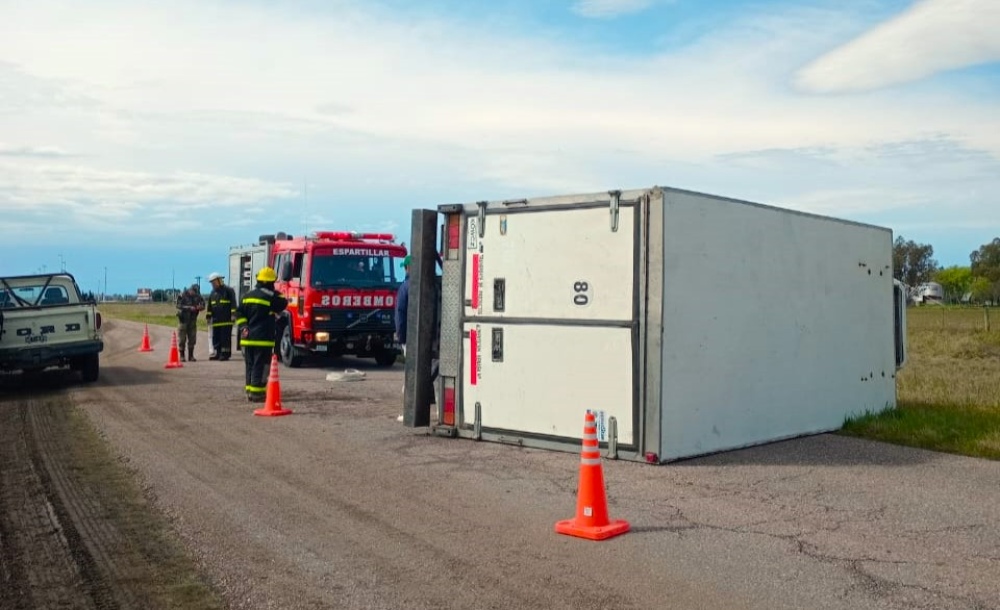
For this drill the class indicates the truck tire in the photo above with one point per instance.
(386, 358)
(287, 352)
(90, 368)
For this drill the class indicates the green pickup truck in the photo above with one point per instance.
(44, 322)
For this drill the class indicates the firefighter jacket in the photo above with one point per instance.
(402, 301)
(189, 303)
(221, 307)
(258, 312)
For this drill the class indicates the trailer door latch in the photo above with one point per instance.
(497, 345)
(499, 293)
(616, 197)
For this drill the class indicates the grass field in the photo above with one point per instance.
(949, 390)
(161, 314)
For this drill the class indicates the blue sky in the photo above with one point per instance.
(147, 138)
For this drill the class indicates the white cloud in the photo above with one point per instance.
(609, 8)
(32, 151)
(64, 196)
(930, 37)
(429, 111)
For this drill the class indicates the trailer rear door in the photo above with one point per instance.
(549, 330)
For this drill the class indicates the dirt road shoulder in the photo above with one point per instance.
(76, 531)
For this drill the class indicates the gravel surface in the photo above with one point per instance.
(340, 506)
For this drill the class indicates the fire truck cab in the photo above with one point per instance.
(341, 290)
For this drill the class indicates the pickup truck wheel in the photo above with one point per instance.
(91, 368)
(287, 353)
(386, 358)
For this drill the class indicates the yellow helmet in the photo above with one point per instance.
(266, 275)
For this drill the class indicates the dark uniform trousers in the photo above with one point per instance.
(222, 339)
(258, 360)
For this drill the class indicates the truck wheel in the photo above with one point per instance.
(91, 368)
(288, 354)
(386, 358)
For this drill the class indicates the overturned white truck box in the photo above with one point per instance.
(688, 323)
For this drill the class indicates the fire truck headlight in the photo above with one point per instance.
(322, 317)
(322, 337)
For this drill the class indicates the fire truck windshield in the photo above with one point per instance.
(358, 271)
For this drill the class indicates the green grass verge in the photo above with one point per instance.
(167, 575)
(965, 430)
(159, 314)
(949, 390)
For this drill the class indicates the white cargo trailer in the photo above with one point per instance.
(689, 323)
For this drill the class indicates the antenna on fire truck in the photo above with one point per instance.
(305, 205)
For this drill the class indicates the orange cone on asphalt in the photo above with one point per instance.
(272, 404)
(145, 346)
(174, 361)
(591, 520)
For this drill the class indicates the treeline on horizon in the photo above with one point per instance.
(913, 264)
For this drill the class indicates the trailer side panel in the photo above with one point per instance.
(776, 324)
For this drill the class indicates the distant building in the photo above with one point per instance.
(144, 295)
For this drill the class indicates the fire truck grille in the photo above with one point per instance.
(340, 319)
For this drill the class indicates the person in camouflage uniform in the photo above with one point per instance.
(189, 303)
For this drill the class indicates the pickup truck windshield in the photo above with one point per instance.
(355, 271)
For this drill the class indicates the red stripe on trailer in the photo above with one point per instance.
(474, 358)
(475, 281)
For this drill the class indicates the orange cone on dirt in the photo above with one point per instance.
(174, 361)
(272, 404)
(591, 520)
(145, 346)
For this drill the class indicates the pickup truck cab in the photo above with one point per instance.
(45, 322)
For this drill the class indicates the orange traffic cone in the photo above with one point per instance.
(145, 347)
(174, 362)
(591, 520)
(272, 404)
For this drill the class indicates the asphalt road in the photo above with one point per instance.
(340, 506)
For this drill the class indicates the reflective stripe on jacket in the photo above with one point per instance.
(222, 306)
(258, 311)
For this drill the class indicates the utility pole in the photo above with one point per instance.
(198, 279)
(62, 264)
(105, 284)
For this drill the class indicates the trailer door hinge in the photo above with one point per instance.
(482, 217)
(615, 201)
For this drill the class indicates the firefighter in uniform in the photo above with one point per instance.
(258, 314)
(220, 316)
(189, 303)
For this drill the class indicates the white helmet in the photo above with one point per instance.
(214, 276)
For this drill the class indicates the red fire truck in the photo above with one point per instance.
(341, 290)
